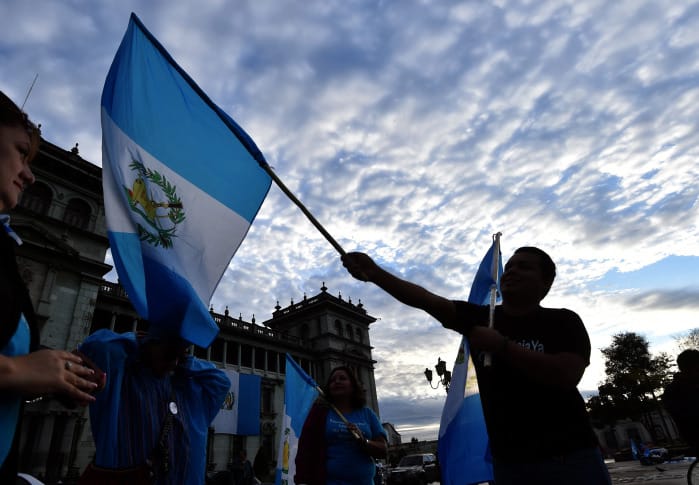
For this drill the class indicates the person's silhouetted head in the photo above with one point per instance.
(343, 384)
(528, 276)
(688, 362)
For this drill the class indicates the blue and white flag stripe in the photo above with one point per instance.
(464, 451)
(165, 145)
(240, 411)
(300, 392)
(204, 271)
(226, 421)
(249, 406)
(156, 103)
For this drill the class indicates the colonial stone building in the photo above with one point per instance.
(61, 221)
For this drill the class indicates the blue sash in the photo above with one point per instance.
(5, 221)
(9, 401)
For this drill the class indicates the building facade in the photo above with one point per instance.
(61, 221)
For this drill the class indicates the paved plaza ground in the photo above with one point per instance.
(674, 473)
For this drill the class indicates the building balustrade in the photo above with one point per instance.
(113, 289)
(223, 321)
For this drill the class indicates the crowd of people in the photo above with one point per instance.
(151, 402)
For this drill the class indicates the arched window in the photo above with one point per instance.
(358, 333)
(338, 327)
(37, 198)
(304, 331)
(349, 331)
(77, 213)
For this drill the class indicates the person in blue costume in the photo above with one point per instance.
(150, 423)
(25, 370)
(331, 451)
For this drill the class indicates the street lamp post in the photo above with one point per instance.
(442, 372)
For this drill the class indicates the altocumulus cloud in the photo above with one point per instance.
(415, 130)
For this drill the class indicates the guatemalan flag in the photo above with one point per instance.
(464, 452)
(182, 185)
(240, 416)
(300, 392)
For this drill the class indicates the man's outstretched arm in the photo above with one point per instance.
(363, 268)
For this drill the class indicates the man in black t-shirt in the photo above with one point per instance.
(536, 419)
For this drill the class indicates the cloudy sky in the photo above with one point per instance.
(413, 130)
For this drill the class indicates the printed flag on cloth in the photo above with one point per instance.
(182, 185)
(240, 416)
(464, 453)
(300, 391)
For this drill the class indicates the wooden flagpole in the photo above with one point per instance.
(303, 208)
(494, 270)
(334, 408)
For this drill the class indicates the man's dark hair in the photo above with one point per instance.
(688, 359)
(358, 400)
(548, 267)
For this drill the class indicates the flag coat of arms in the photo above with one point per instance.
(463, 445)
(240, 416)
(300, 392)
(182, 185)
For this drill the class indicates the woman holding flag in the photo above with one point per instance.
(341, 436)
(528, 366)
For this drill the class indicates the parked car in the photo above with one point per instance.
(418, 469)
(654, 456)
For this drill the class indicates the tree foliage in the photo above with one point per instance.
(689, 340)
(634, 380)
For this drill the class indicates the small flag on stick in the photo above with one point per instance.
(464, 452)
(300, 392)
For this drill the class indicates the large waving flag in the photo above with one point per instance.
(240, 416)
(182, 185)
(464, 453)
(300, 391)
